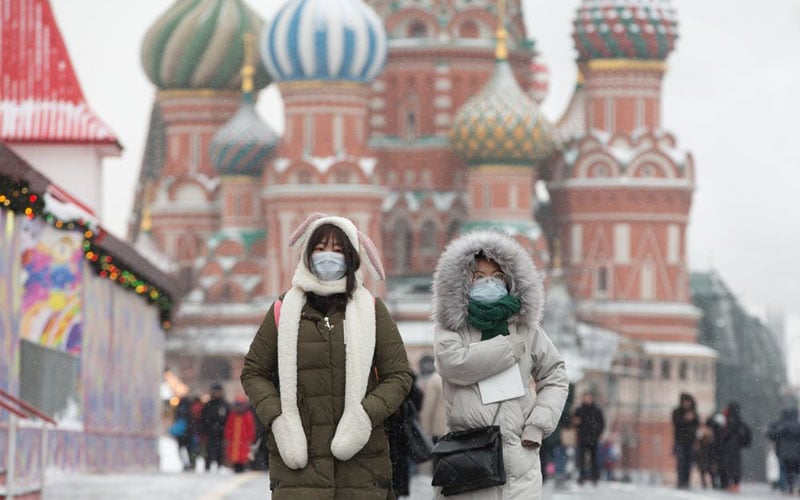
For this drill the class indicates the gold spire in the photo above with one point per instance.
(146, 224)
(501, 48)
(248, 70)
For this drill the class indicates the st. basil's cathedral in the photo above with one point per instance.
(420, 120)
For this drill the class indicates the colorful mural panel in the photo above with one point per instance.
(97, 377)
(53, 298)
(52, 263)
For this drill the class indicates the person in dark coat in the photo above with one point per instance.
(734, 436)
(590, 423)
(186, 439)
(553, 449)
(716, 423)
(707, 469)
(213, 417)
(685, 424)
(326, 368)
(785, 432)
(398, 443)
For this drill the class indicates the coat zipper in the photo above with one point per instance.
(328, 324)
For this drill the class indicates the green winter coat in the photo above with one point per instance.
(320, 399)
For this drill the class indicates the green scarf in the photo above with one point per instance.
(492, 319)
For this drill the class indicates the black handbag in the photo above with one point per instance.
(420, 445)
(469, 460)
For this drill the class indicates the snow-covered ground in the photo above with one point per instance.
(173, 484)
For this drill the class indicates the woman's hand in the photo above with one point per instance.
(529, 444)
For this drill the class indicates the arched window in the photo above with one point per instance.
(187, 248)
(417, 29)
(410, 124)
(469, 29)
(402, 244)
(666, 369)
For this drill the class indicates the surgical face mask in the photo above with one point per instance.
(328, 266)
(488, 290)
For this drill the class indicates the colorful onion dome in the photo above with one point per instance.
(625, 29)
(339, 40)
(501, 124)
(197, 44)
(243, 145)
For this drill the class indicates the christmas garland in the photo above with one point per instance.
(16, 196)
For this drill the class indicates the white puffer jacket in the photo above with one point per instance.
(463, 360)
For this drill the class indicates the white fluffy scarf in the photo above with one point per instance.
(354, 428)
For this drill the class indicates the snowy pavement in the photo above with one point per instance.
(255, 485)
(171, 484)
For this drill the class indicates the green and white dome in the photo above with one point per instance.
(501, 124)
(198, 44)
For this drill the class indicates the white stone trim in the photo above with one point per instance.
(673, 309)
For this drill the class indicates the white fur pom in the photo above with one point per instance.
(352, 433)
(291, 441)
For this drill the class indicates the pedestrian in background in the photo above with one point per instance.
(705, 465)
(735, 436)
(785, 432)
(196, 429)
(326, 368)
(213, 417)
(588, 419)
(433, 416)
(240, 432)
(180, 431)
(487, 305)
(716, 423)
(685, 423)
(399, 450)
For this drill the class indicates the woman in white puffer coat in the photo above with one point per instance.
(488, 300)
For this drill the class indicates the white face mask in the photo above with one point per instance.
(328, 266)
(488, 290)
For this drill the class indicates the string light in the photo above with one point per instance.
(17, 197)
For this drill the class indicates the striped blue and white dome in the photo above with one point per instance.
(334, 40)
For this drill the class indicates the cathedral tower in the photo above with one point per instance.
(623, 193)
(324, 54)
(621, 198)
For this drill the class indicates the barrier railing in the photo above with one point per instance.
(19, 409)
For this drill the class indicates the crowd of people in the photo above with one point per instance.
(221, 433)
(714, 446)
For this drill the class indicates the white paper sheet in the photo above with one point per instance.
(505, 385)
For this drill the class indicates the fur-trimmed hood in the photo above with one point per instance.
(453, 278)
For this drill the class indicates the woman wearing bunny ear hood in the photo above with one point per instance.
(488, 301)
(325, 369)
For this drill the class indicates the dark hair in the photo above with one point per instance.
(351, 258)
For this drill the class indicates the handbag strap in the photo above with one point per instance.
(494, 420)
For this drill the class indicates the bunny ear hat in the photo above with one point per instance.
(361, 242)
(355, 427)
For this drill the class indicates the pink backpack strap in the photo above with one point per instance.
(277, 311)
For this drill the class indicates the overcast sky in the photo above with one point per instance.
(732, 97)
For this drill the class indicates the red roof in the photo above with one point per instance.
(41, 100)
